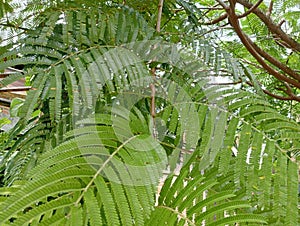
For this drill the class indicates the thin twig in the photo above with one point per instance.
(214, 7)
(13, 26)
(210, 8)
(217, 20)
(212, 30)
(270, 9)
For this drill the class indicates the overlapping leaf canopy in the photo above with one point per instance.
(88, 149)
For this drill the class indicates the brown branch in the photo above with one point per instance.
(252, 49)
(232, 6)
(251, 9)
(273, 28)
(153, 113)
(259, 54)
(281, 22)
(268, 57)
(274, 61)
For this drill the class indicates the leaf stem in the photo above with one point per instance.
(181, 215)
(153, 72)
(101, 168)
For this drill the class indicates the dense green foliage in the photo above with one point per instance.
(115, 106)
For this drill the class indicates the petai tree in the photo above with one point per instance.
(123, 123)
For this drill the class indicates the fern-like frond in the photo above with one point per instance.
(103, 175)
(195, 201)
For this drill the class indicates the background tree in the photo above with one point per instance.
(266, 30)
